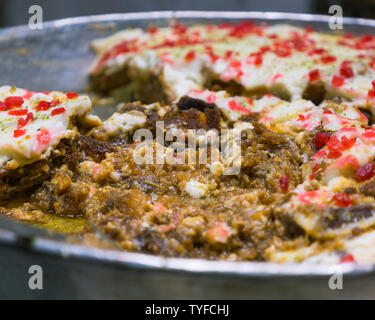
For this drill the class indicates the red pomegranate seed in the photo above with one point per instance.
(57, 111)
(321, 139)
(18, 133)
(365, 172)
(337, 81)
(314, 75)
(342, 199)
(284, 183)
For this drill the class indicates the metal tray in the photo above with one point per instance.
(58, 57)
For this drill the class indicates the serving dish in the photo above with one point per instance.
(58, 56)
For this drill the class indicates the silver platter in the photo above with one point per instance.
(57, 58)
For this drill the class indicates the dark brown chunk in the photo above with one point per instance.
(13, 181)
(341, 216)
(368, 189)
(186, 103)
(315, 91)
(213, 117)
(95, 149)
(368, 114)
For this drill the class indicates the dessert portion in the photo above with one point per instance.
(161, 175)
(37, 131)
(161, 64)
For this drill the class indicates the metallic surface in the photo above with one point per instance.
(58, 57)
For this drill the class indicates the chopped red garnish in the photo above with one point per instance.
(54, 103)
(348, 258)
(71, 95)
(348, 160)
(211, 97)
(347, 143)
(190, 56)
(317, 51)
(249, 101)
(284, 183)
(328, 59)
(348, 35)
(179, 28)
(342, 199)
(220, 234)
(228, 54)
(43, 137)
(43, 106)
(321, 139)
(258, 60)
(345, 70)
(235, 106)
(337, 81)
(333, 143)
(152, 29)
(369, 135)
(371, 93)
(18, 133)
(23, 122)
(224, 25)
(30, 117)
(57, 111)
(334, 154)
(282, 52)
(365, 172)
(314, 75)
(14, 101)
(18, 112)
(159, 206)
(309, 29)
(372, 63)
(373, 83)
(3, 106)
(235, 64)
